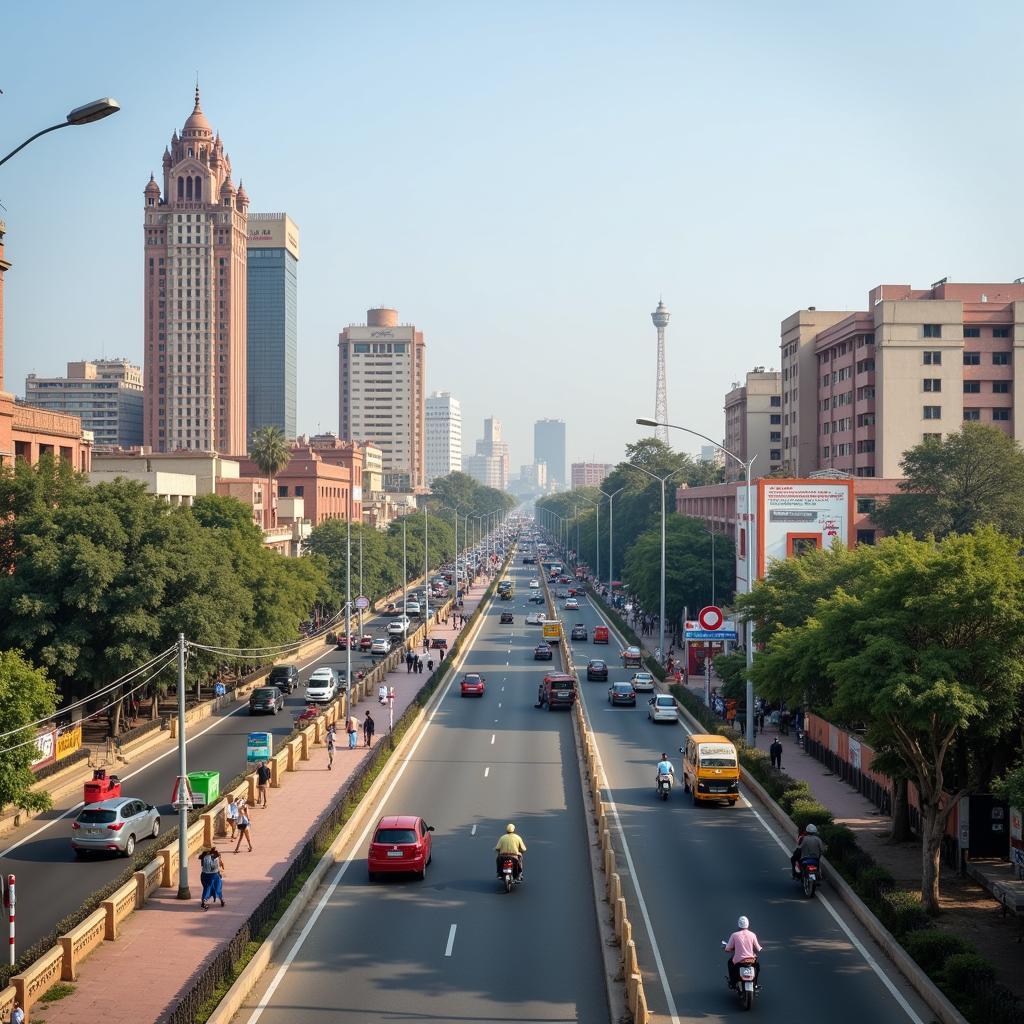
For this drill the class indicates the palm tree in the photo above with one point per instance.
(270, 451)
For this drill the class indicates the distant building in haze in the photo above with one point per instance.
(549, 447)
(382, 393)
(444, 435)
(490, 464)
(272, 330)
(194, 310)
(105, 393)
(753, 423)
(590, 474)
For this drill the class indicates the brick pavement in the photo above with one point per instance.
(162, 945)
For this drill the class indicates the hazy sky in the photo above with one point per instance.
(522, 180)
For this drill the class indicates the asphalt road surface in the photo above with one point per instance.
(53, 882)
(698, 868)
(456, 947)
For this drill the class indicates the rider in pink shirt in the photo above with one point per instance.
(743, 945)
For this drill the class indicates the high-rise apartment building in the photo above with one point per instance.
(492, 446)
(106, 394)
(272, 322)
(444, 435)
(549, 447)
(486, 469)
(753, 423)
(382, 393)
(915, 365)
(195, 297)
(589, 474)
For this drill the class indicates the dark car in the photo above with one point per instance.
(507, 618)
(579, 632)
(542, 652)
(284, 677)
(536, 598)
(622, 693)
(557, 690)
(597, 669)
(342, 641)
(266, 700)
(527, 560)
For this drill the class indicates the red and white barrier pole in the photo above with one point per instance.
(10, 900)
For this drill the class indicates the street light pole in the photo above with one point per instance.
(183, 791)
(750, 559)
(348, 616)
(426, 573)
(611, 531)
(86, 114)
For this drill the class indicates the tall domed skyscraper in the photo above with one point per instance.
(195, 297)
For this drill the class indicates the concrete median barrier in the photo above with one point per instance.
(80, 942)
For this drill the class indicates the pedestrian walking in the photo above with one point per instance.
(330, 746)
(419, 665)
(440, 656)
(426, 643)
(232, 816)
(430, 665)
(368, 727)
(408, 661)
(775, 752)
(262, 783)
(244, 827)
(211, 868)
(17, 1013)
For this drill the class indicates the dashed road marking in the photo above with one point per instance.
(487, 771)
(451, 941)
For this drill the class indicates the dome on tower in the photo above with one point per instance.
(227, 189)
(152, 188)
(243, 196)
(197, 122)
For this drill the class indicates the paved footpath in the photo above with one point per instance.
(159, 948)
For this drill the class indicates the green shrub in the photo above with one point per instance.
(966, 973)
(842, 844)
(872, 882)
(902, 912)
(789, 796)
(808, 812)
(932, 947)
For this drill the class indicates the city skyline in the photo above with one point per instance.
(542, 242)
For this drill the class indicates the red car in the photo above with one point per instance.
(401, 843)
(343, 641)
(365, 642)
(472, 684)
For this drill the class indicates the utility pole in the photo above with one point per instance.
(184, 803)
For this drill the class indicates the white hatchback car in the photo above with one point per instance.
(663, 708)
(534, 584)
(535, 619)
(322, 686)
(399, 627)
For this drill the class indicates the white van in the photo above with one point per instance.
(322, 686)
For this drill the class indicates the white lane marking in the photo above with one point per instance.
(487, 771)
(499, 703)
(344, 866)
(854, 941)
(451, 941)
(492, 739)
(472, 831)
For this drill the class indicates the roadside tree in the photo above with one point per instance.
(26, 696)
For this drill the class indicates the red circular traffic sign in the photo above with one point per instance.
(711, 617)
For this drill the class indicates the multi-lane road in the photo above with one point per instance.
(52, 882)
(456, 947)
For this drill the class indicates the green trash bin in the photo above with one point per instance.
(205, 787)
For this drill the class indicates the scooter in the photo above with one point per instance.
(664, 786)
(810, 875)
(746, 984)
(508, 873)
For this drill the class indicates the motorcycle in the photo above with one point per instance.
(746, 981)
(810, 875)
(508, 873)
(664, 786)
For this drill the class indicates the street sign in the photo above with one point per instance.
(182, 794)
(693, 631)
(710, 617)
(259, 746)
(362, 603)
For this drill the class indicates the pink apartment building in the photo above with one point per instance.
(195, 297)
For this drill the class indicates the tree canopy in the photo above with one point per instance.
(26, 697)
(460, 490)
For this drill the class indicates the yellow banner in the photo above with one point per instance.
(69, 741)
(552, 630)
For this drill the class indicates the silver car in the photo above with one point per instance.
(114, 825)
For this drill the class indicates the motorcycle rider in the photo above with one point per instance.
(664, 768)
(808, 844)
(743, 945)
(511, 845)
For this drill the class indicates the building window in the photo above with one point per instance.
(865, 447)
(775, 454)
(932, 384)
(972, 359)
(775, 420)
(776, 436)
(971, 415)
(1000, 387)
(932, 358)
(1000, 414)
(1000, 332)
(972, 332)
(972, 387)
(825, 452)
(933, 412)
(1001, 358)
(865, 506)
(933, 330)
(776, 401)
(865, 536)
(300, 490)
(865, 365)
(866, 419)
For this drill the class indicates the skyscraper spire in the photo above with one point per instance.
(660, 318)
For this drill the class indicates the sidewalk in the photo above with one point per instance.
(162, 945)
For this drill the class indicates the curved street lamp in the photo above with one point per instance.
(85, 114)
(611, 530)
(749, 518)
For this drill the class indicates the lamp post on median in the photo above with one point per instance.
(611, 531)
(750, 562)
(86, 114)
(597, 537)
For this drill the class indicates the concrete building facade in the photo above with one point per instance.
(444, 435)
(106, 394)
(589, 474)
(272, 264)
(382, 395)
(194, 310)
(916, 365)
(753, 423)
(549, 447)
(491, 447)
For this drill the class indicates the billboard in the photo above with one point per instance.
(272, 231)
(794, 516)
